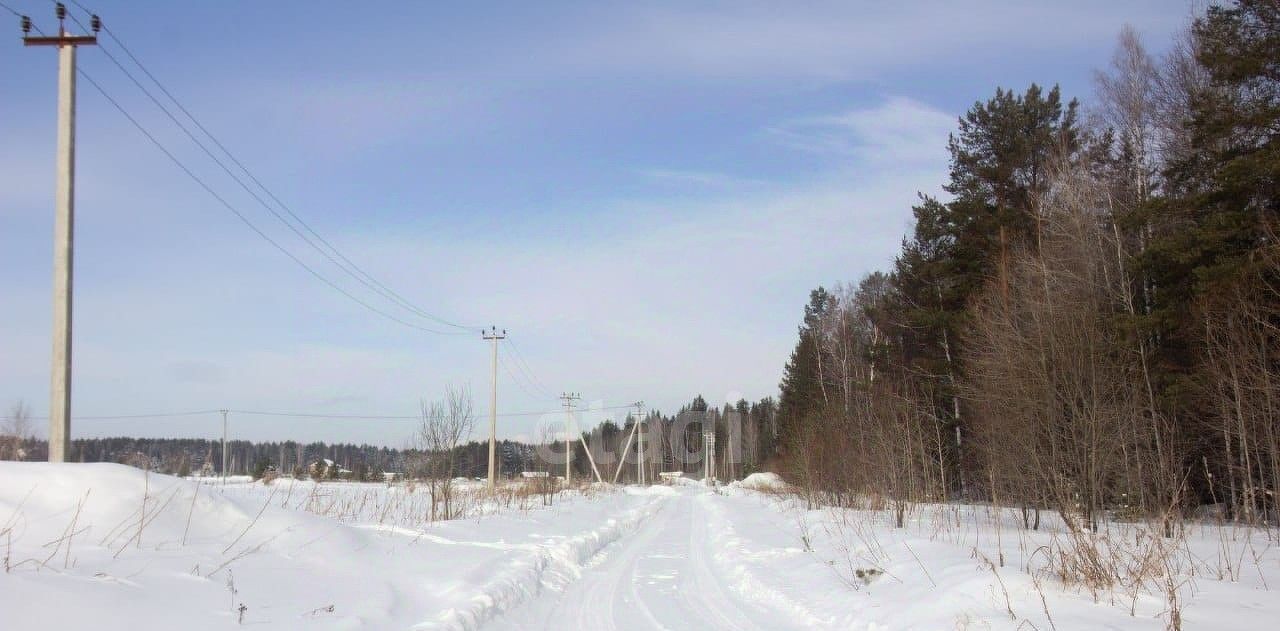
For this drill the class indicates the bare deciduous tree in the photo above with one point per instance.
(1052, 372)
(445, 425)
(1241, 383)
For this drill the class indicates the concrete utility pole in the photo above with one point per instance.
(709, 461)
(63, 225)
(224, 445)
(635, 430)
(493, 335)
(625, 448)
(640, 442)
(569, 400)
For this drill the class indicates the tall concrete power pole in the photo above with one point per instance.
(63, 225)
(709, 458)
(640, 442)
(224, 444)
(493, 335)
(569, 400)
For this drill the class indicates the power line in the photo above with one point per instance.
(528, 371)
(341, 261)
(395, 417)
(245, 219)
(314, 415)
(118, 417)
(516, 380)
(10, 10)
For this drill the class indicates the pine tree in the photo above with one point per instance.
(1222, 203)
(802, 388)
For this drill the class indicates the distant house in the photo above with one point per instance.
(326, 468)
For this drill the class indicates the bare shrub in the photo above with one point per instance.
(15, 429)
(445, 425)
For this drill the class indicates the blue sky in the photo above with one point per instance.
(641, 193)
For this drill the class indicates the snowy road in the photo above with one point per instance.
(663, 576)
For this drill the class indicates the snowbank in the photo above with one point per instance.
(135, 551)
(763, 481)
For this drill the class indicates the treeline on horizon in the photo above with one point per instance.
(675, 443)
(1089, 322)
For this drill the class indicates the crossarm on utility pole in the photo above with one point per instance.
(60, 40)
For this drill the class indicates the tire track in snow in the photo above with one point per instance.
(526, 575)
(705, 584)
(662, 577)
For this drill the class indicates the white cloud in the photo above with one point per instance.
(836, 40)
(900, 131)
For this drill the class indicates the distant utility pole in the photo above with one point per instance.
(709, 460)
(635, 430)
(493, 335)
(569, 400)
(640, 442)
(63, 224)
(224, 445)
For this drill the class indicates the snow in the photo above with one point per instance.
(656, 489)
(933, 574)
(132, 550)
(258, 545)
(762, 481)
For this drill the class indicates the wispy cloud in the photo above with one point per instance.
(702, 179)
(836, 40)
(899, 131)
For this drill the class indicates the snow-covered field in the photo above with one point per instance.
(975, 567)
(108, 547)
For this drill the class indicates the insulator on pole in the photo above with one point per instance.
(26, 25)
(95, 23)
(61, 11)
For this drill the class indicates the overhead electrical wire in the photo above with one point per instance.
(121, 417)
(312, 415)
(516, 380)
(523, 365)
(245, 219)
(332, 254)
(407, 417)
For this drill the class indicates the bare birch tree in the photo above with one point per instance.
(445, 425)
